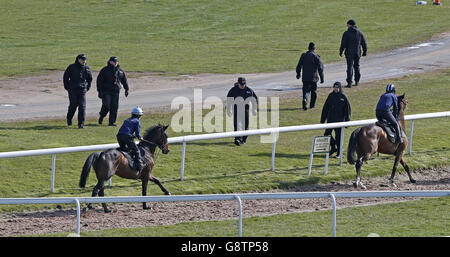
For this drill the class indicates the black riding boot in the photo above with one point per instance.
(398, 135)
(137, 161)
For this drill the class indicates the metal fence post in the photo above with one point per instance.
(240, 214)
(52, 183)
(333, 199)
(273, 151)
(341, 146)
(183, 154)
(77, 202)
(411, 128)
(311, 155)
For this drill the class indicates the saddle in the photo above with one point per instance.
(130, 157)
(389, 129)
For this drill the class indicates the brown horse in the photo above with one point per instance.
(113, 161)
(371, 139)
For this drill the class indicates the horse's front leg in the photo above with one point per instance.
(156, 181)
(405, 166)
(144, 193)
(394, 169)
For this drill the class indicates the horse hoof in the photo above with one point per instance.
(167, 193)
(107, 211)
(147, 208)
(413, 181)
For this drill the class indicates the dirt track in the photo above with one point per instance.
(132, 215)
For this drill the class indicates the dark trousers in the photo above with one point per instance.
(127, 144)
(335, 143)
(353, 66)
(245, 121)
(77, 99)
(387, 115)
(110, 103)
(309, 88)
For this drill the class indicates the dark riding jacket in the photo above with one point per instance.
(388, 100)
(131, 127)
(351, 42)
(336, 108)
(77, 78)
(109, 79)
(311, 64)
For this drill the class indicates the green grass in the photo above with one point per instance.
(198, 36)
(218, 166)
(419, 218)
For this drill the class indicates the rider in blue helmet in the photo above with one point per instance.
(132, 128)
(383, 110)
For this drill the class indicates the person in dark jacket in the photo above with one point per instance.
(383, 110)
(238, 100)
(108, 87)
(130, 129)
(77, 80)
(336, 109)
(312, 65)
(352, 41)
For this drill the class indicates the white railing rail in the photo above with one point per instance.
(221, 197)
(190, 138)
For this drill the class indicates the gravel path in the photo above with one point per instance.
(132, 215)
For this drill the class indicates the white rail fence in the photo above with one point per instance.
(190, 138)
(221, 197)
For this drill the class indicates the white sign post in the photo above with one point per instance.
(320, 144)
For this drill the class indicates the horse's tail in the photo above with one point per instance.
(87, 168)
(352, 146)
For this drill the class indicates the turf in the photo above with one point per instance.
(198, 36)
(218, 166)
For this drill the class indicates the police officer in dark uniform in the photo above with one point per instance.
(351, 42)
(238, 100)
(311, 64)
(77, 80)
(336, 109)
(383, 110)
(108, 87)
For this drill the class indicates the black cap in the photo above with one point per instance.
(311, 46)
(351, 22)
(241, 80)
(113, 58)
(337, 84)
(81, 56)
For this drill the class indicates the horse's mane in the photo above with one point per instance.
(150, 132)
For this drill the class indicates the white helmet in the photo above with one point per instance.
(137, 111)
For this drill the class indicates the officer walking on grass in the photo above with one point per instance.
(77, 80)
(336, 109)
(109, 82)
(352, 41)
(312, 65)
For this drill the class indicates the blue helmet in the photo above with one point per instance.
(390, 88)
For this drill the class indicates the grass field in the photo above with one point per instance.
(420, 218)
(185, 37)
(218, 166)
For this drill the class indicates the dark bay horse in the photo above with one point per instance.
(113, 161)
(366, 141)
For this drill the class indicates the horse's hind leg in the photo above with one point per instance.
(156, 181)
(95, 192)
(405, 166)
(101, 193)
(358, 165)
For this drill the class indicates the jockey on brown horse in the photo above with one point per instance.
(367, 140)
